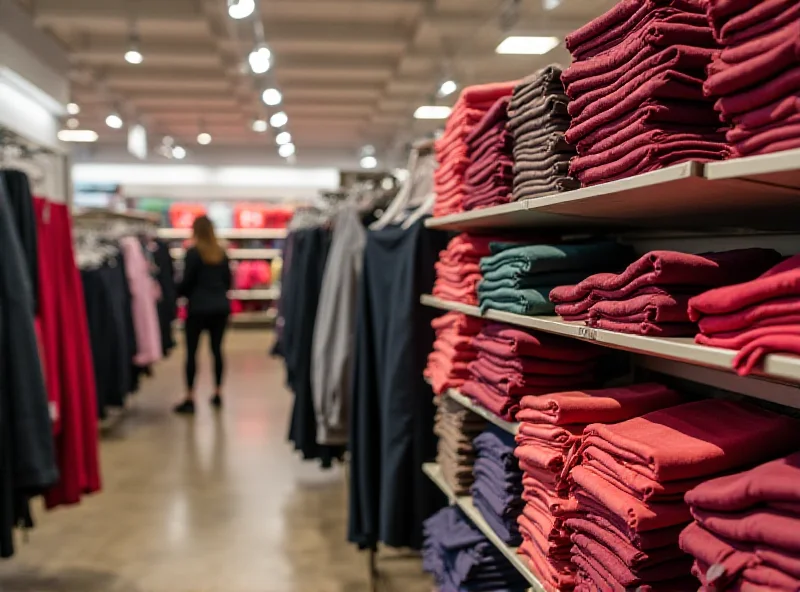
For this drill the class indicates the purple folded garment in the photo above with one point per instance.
(784, 85)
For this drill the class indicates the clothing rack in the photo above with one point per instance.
(52, 164)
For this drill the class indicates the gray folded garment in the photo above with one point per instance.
(534, 131)
(539, 82)
(527, 94)
(552, 107)
(533, 189)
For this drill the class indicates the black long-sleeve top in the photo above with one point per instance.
(206, 286)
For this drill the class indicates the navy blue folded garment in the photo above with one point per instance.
(462, 559)
(505, 525)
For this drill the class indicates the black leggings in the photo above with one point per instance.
(215, 324)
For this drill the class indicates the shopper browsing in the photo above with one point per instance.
(206, 281)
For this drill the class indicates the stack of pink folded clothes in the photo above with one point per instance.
(512, 363)
(448, 363)
(632, 479)
(451, 148)
(538, 119)
(756, 318)
(550, 429)
(756, 77)
(746, 534)
(636, 90)
(651, 297)
(458, 271)
(489, 175)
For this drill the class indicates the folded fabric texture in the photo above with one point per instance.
(462, 559)
(448, 363)
(478, 110)
(637, 67)
(538, 119)
(758, 317)
(457, 427)
(755, 80)
(458, 270)
(745, 529)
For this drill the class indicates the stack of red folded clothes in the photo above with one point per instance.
(651, 297)
(636, 90)
(550, 429)
(633, 478)
(448, 363)
(451, 148)
(756, 318)
(756, 78)
(458, 271)
(746, 534)
(512, 363)
(489, 175)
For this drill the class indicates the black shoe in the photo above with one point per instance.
(185, 408)
(216, 402)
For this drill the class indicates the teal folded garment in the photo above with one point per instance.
(530, 302)
(530, 259)
(499, 279)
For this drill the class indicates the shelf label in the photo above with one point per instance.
(587, 333)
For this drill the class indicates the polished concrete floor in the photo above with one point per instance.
(218, 503)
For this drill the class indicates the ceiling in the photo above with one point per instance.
(352, 72)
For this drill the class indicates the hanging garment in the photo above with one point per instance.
(167, 305)
(391, 428)
(20, 198)
(27, 456)
(334, 331)
(144, 291)
(309, 255)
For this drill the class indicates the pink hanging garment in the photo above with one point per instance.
(144, 293)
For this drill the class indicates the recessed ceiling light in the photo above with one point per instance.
(114, 121)
(279, 119)
(283, 138)
(134, 56)
(260, 126)
(241, 9)
(260, 60)
(204, 139)
(77, 136)
(448, 87)
(286, 150)
(432, 112)
(369, 162)
(551, 4)
(73, 108)
(272, 97)
(179, 152)
(527, 45)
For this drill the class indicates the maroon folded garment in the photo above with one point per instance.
(784, 136)
(730, 558)
(739, 339)
(696, 439)
(541, 457)
(506, 341)
(760, 526)
(634, 513)
(496, 114)
(739, 133)
(582, 306)
(517, 384)
(757, 20)
(527, 365)
(502, 406)
(788, 563)
(610, 405)
(545, 433)
(651, 308)
(665, 268)
(551, 578)
(775, 112)
(753, 353)
(648, 328)
(735, 55)
(775, 481)
(783, 85)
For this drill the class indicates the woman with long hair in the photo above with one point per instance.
(206, 282)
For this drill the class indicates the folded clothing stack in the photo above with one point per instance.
(538, 119)
(519, 279)
(632, 479)
(497, 491)
(756, 77)
(490, 172)
(636, 90)
(462, 559)
(456, 428)
(451, 148)
(458, 270)
(746, 534)
(651, 297)
(513, 363)
(756, 318)
(550, 430)
(448, 363)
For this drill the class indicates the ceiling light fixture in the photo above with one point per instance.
(551, 4)
(286, 150)
(432, 112)
(179, 152)
(260, 59)
(114, 121)
(369, 162)
(283, 138)
(279, 119)
(260, 126)
(241, 9)
(73, 123)
(74, 135)
(204, 139)
(272, 97)
(73, 108)
(515, 45)
(134, 55)
(447, 88)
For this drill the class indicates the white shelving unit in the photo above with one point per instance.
(434, 472)
(238, 254)
(230, 233)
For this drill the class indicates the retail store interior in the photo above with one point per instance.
(399, 295)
